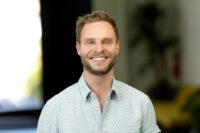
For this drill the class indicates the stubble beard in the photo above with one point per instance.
(93, 71)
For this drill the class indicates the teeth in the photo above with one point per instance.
(98, 59)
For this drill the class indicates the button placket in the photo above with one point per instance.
(104, 113)
(95, 108)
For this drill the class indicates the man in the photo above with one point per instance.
(98, 103)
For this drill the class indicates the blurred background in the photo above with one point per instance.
(158, 55)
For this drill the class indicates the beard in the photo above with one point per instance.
(94, 71)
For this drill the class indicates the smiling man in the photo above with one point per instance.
(98, 103)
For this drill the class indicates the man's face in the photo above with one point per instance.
(98, 47)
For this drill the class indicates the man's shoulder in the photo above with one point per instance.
(70, 90)
(128, 90)
(132, 95)
(65, 94)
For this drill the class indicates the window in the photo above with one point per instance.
(20, 55)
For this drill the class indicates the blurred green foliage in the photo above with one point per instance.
(192, 106)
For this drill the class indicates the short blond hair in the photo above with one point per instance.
(92, 17)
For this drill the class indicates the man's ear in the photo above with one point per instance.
(78, 48)
(117, 46)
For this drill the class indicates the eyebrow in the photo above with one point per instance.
(106, 38)
(109, 39)
(89, 39)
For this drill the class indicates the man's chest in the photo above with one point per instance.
(88, 118)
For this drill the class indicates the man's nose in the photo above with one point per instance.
(100, 47)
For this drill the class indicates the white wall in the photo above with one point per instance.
(189, 11)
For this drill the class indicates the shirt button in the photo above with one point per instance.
(97, 108)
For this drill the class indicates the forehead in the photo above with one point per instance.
(97, 29)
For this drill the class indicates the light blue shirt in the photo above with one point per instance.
(77, 110)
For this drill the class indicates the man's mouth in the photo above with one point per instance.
(99, 58)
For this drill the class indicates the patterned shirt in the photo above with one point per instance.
(77, 110)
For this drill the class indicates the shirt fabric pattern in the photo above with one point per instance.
(77, 110)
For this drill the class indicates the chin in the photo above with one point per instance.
(100, 72)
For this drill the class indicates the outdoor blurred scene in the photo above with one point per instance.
(20, 56)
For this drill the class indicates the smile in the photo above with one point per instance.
(99, 59)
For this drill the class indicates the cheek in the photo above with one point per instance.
(113, 50)
(84, 52)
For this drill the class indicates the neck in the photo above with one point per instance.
(99, 84)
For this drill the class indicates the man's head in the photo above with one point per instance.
(97, 42)
(94, 16)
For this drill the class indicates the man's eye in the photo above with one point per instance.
(90, 42)
(106, 42)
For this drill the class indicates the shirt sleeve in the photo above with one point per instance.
(48, 118)
(149, 124)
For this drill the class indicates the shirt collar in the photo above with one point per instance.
(86, 92)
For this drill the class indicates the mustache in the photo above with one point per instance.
(100, 54)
